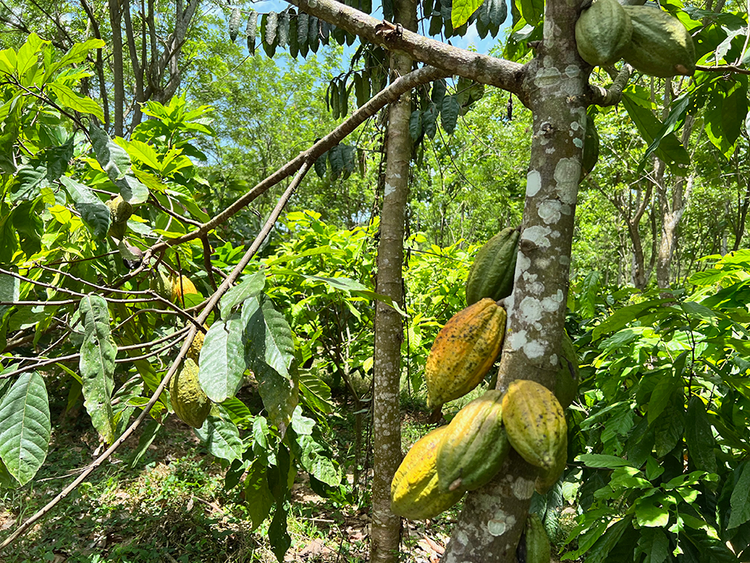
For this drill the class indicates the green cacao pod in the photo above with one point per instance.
(660, 45)
(415, 493)
(590, 147)
(161, 284)
(119, 213)
(538, 549)
(464, 351)
(566, 384)
(603, 31)
(189, 401)
(534, 422)
(194, 352)
(491, 274)
(474, 446)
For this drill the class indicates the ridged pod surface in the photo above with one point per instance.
(189, 401)
(415, 493)
(464, 351)
(534, 422)
(181, 286)
(194, 352)
(119, 213)
(566, 384)
(603, 31)
(548, 477)
(538, 549)
(491, 274)
(474, 446)
(660, 45)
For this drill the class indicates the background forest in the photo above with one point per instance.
(153, 196)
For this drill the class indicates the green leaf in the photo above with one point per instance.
(336, 160)
(113, 159)
(599, 551)
(316, 393)
(429, 121)
(268, 336)
(602, 461)
(222, 359)
(251, 286)
(532, 10)
(147, 438)
(699, 436)
(279, 395)
(67, 98)
(221, 438)
(97, 364)
(462, 10)
(258, 497)
(94, 213)
(449, 113)
(132, 189)
(415, 125)
(740, 500)
(668, 428)
(277, 532)
(652, 511)
(623, 317)
(655, 545)
(29, 180)
(25, 427)
(674, 120)
(670, 150)
(662, 395)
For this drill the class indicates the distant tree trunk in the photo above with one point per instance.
(386, 526)
(115, 20)
(671, 211)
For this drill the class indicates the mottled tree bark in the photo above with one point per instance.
(493, 518)
(115, 19)
(386, 526)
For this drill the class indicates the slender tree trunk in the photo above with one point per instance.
(115, 18)
(494, 516)
(386, 526)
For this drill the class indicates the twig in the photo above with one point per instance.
(723, 68)
(226, 284)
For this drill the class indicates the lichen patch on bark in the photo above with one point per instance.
(523, 488)
(538, 235)
(533, 183)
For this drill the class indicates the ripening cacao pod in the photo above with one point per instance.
(464, 351)
(181, 286)
(603, 31)
(566, 383)
(194, 352)
(660, 45)
(415, 493)
(534, 422)
(538, 549)
(548, 477)
(491, 274)
(189, 401)
(474, 446)
(119, 213)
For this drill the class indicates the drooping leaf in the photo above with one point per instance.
(221, 438)
(234, 23)
(740, 500)
(415, 125)
(429, 121)
(699, 436)
(25, 427)
(279, 395)
(268, 336)
(68, 98)
(113, 159)
(222, 359)
(251, 30)
(336, 160)
(449, 113)
(277, 532)
(94, 213)
(97, 364)
(257, 494)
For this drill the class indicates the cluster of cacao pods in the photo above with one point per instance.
(172, 287)
(648, 38)
(467, 453)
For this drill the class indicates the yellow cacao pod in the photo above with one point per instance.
(181, 286)
(534, 422)
(189, 401)
(474, 446)
(415, 493)
(464, 351)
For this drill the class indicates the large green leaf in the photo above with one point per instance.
(25, 427)
(257, 494)
(94, 213)
(699, 436)
(740, 500)
(268, 336)
(670, 150)
(222, 359)
(279, 395)
(68, 98)
(97, 364)
(221, 438)
(116, 163)
(251, 286)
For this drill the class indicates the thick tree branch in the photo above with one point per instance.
(481, 68)
(609, 96)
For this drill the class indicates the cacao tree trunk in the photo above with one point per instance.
(386, 526)
(115, 19)
(493, 517)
